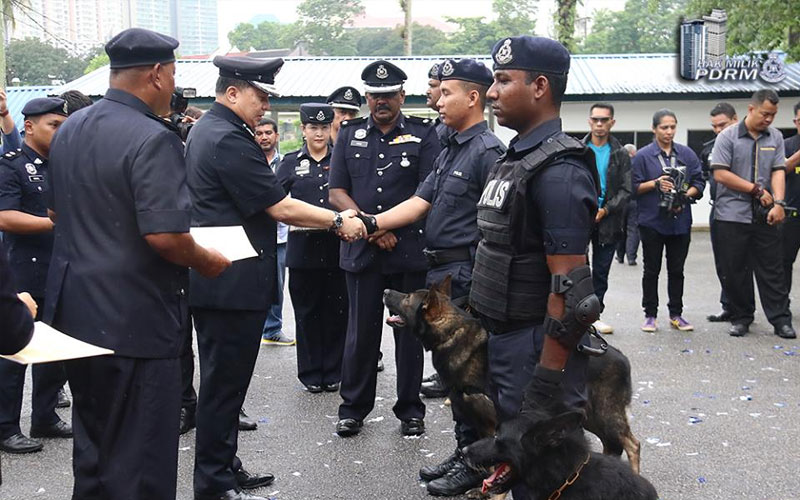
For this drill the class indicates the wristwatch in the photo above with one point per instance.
(781, 203)
(337, 223)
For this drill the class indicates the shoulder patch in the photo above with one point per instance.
(354, 121)
(490, 141)
(419, 120)
(294, 153)
(12, 154)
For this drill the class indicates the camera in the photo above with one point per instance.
(672, 201)
(177, 105)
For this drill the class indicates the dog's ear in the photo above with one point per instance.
(431, 302)
(550, 433)
(445, 286)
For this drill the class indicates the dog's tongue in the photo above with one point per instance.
(394, 319)
(488, 483)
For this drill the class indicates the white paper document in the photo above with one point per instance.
(48, 344)
(230, 241)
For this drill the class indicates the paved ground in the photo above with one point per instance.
(717, 417)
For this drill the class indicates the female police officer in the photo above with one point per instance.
(316, 284)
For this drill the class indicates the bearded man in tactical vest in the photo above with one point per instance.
(531, 286)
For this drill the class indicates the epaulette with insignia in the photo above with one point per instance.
(12, 154)
(354, 121)
(490, 141)
(296, 152)
(419, 120)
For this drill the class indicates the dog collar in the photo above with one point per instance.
(571, 479)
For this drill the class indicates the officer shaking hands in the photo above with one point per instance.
(230, 184)
(531, 285)
(378, 162)
(29, 236)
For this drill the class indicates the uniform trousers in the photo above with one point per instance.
(48, 378)
(364, 332)
(461, 280)
(125, 424)
(677, 249)
(227, 344)
(745, 250)
(790, 238)
(712, 229)
(319, 299)
(512, 359)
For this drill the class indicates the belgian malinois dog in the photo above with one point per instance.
(458, 346)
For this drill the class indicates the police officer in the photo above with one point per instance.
(535, 217)
(316, 284)
(230, 184)
(449, 197)
(432, 96)
(29, 235)
(118, 277)
(346, 103)
(378, 162)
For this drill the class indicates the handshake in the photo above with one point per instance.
(357, 225)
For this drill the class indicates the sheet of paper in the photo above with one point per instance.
(230, 241)
(48, 344)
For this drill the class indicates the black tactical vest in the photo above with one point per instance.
(511, 280)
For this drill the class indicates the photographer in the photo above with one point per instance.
(177, 110)
(666, 178)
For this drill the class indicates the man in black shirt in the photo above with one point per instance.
(790, 231)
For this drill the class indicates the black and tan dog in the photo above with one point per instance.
(458, 345)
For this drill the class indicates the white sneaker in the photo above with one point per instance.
(603, 328)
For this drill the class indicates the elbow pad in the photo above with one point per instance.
(581, 306)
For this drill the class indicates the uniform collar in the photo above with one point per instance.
(227, 114)
(535, 136)
(473, 131)
(399, 124)
(658, 151)
(32, 155)
(304, 152)
(128, 99)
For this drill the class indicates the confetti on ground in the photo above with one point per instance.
(653, 440)
(664, 444)
(359, 462)
(755, 415)
(185, 448)
(746, 398)
(692, 454)
(780, 405)
(695, 420)
(701, 480)
(687, 351)
(296, 474)
(376, 419)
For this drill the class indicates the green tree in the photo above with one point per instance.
(324, 25)
(37, 63)
(765, 25)
(514, 17)
(474, 36)
(643, 26)
(564, 18)
(96, 62)
(267, 35)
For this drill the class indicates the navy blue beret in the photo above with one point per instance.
(468, 70)
(531, 53)
(383, 77)
(140, 47)
(345, 98)
(435, 72)
(259, 73)
(44, 105)
(315, 112)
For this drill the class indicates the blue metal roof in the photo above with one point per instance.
(592, 76)
(18, 97)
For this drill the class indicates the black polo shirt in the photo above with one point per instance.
(230, 184)
(117, 174)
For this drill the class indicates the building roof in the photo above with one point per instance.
(595, 76)
(18, 97)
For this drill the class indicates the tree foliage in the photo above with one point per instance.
(643, 26)
(37, 63)
(564, 18)
(324, 25)
(754, 27)
(267, 35)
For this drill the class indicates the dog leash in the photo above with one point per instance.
(571, 479)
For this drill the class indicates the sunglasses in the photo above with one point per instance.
(600, 119)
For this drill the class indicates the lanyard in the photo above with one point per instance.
(671, 160)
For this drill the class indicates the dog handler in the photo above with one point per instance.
(531, 286)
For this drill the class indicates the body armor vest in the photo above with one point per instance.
(511, 280)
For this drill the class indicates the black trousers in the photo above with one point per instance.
(188, 394)
(512, 358)
(319, 299)
(790, 239)
(227, 343)
(125, 420)
(48, 378)
(723, 297)
(745, 250)
(653, 246)
(364, 327)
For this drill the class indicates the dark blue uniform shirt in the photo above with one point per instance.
(564, 194)
(455, 185)
(23, 186)
(16, 322)
(646, 166)
(117, 174)
(792, 145)
(306, 179)
(231, 184)
(379, 171)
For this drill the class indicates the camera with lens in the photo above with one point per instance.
(177, 105)
(672, 201)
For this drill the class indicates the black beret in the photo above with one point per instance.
(435, 73)
(315, 112)
(382, 77)
(468, 70)
(345, 98)
(44, 105)
(259, 73)
(531, 53)
(140, 47)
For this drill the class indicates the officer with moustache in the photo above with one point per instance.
(531, 286)
(378, 162)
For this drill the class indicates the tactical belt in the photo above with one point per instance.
(447, 255)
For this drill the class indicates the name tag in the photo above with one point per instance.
(36, 178)
(359, 144)
(302, 170)
(767, 149)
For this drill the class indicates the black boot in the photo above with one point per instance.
(458, 481)
(431, 472)
(434, 389)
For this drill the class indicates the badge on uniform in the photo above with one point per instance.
(359, 144)
(30, 168)
(360, 133)
(405, 138)
(36, 178)
(304, 168)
